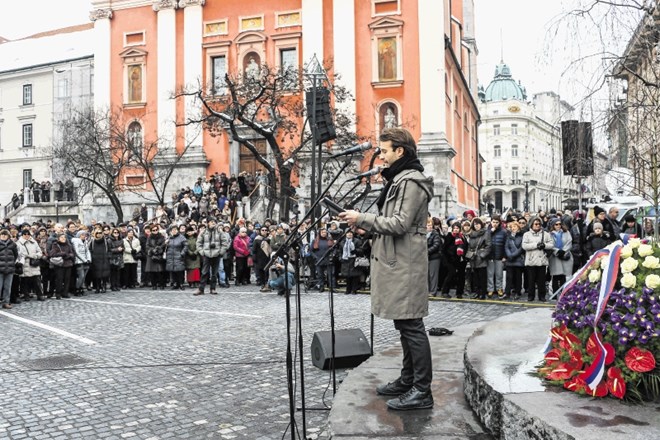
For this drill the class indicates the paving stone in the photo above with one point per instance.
(217, 363)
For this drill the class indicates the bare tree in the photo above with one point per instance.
(267, 104)
(107, 153)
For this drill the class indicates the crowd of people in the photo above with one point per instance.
(522, 253)
(197, 242)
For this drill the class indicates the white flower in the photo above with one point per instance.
(626, 251)
(629, 264)
(645, 250)
(634, 242)
(651, 262)
(652, 281)
(628, 280)
(594, 276)
(604, 261)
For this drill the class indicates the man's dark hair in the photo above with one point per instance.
(400, 137)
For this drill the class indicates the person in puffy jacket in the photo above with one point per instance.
(116, 259)
(560, 261)
(536, 242)
(132, 252)
(515, 261)
(29, 255)
(212, 244)
(8, 258)
(83, 260)
(496, 259)
(454, 248)
(192, 260)
(242, 252)
(596, 239)
(62, 249)
(477, 254)
(177, 247)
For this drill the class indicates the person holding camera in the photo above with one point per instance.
(276, 274)
(212, 244)
(535, 243)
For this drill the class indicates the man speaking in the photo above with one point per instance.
(399, 264)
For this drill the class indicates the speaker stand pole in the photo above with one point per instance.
(331, 282)
(289, 356)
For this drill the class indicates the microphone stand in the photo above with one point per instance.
(283, 250)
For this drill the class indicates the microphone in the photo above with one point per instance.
(371, 172)
(355, 149)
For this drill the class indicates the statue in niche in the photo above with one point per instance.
(390, 118)
(252, 69)
(135, 84)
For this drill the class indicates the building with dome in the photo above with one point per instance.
(520, 140)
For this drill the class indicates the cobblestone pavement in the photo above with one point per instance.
(167, 365)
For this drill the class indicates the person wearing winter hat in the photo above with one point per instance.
(630, 226)
(596, 240)
(8, 257)
(454, 248)
(599, 217)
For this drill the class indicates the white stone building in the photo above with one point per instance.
(520, 140)
(42, 78)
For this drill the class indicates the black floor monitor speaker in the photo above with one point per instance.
(351, 349)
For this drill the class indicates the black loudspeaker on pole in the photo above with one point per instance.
(325, 126)
(577, 148)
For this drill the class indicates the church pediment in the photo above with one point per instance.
(251, 37)
(385, 22)
(133, 52)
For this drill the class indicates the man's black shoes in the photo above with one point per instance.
(413, 399)
(395, 388)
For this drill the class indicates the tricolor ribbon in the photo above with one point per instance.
(594, 373)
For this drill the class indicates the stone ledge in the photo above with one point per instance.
(513, 404)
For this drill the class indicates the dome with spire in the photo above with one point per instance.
(503, 87)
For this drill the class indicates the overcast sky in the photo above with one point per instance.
(25, 18)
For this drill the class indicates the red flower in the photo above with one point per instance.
(553, 356)
(600, 391)
(593, 349)
(558, 332)
(640, 360)
(615, 383)
(576, 362)
(560, 372)
(576, 384)
(569, 341)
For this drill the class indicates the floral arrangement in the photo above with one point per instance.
(605, 338)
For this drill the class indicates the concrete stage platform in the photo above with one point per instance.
(483, 389)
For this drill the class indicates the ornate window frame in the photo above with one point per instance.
(133, 56)
(242, 18)
(386, 27)
(290, 40)
(250, 42)
(380, 14)
(213, 50)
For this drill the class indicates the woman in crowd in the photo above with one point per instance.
(242, 252)
(477, 254)
(61, 258)
(192, 260)
(29, 255)
(155, 258)
(324, 265)
(454, 249)
(8, 258)
(349, 252)
(176, 249)
(131, 255)
(83, 259)
(433, 247)
(100, 268)
(535, 243)
(515, 261)
(560, 262)
(42, 240)
(116, 260)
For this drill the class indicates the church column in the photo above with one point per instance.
(192, 62)
(166, 70)
(101, 19)
(344, 48)
(312, 21)
(434, 150)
